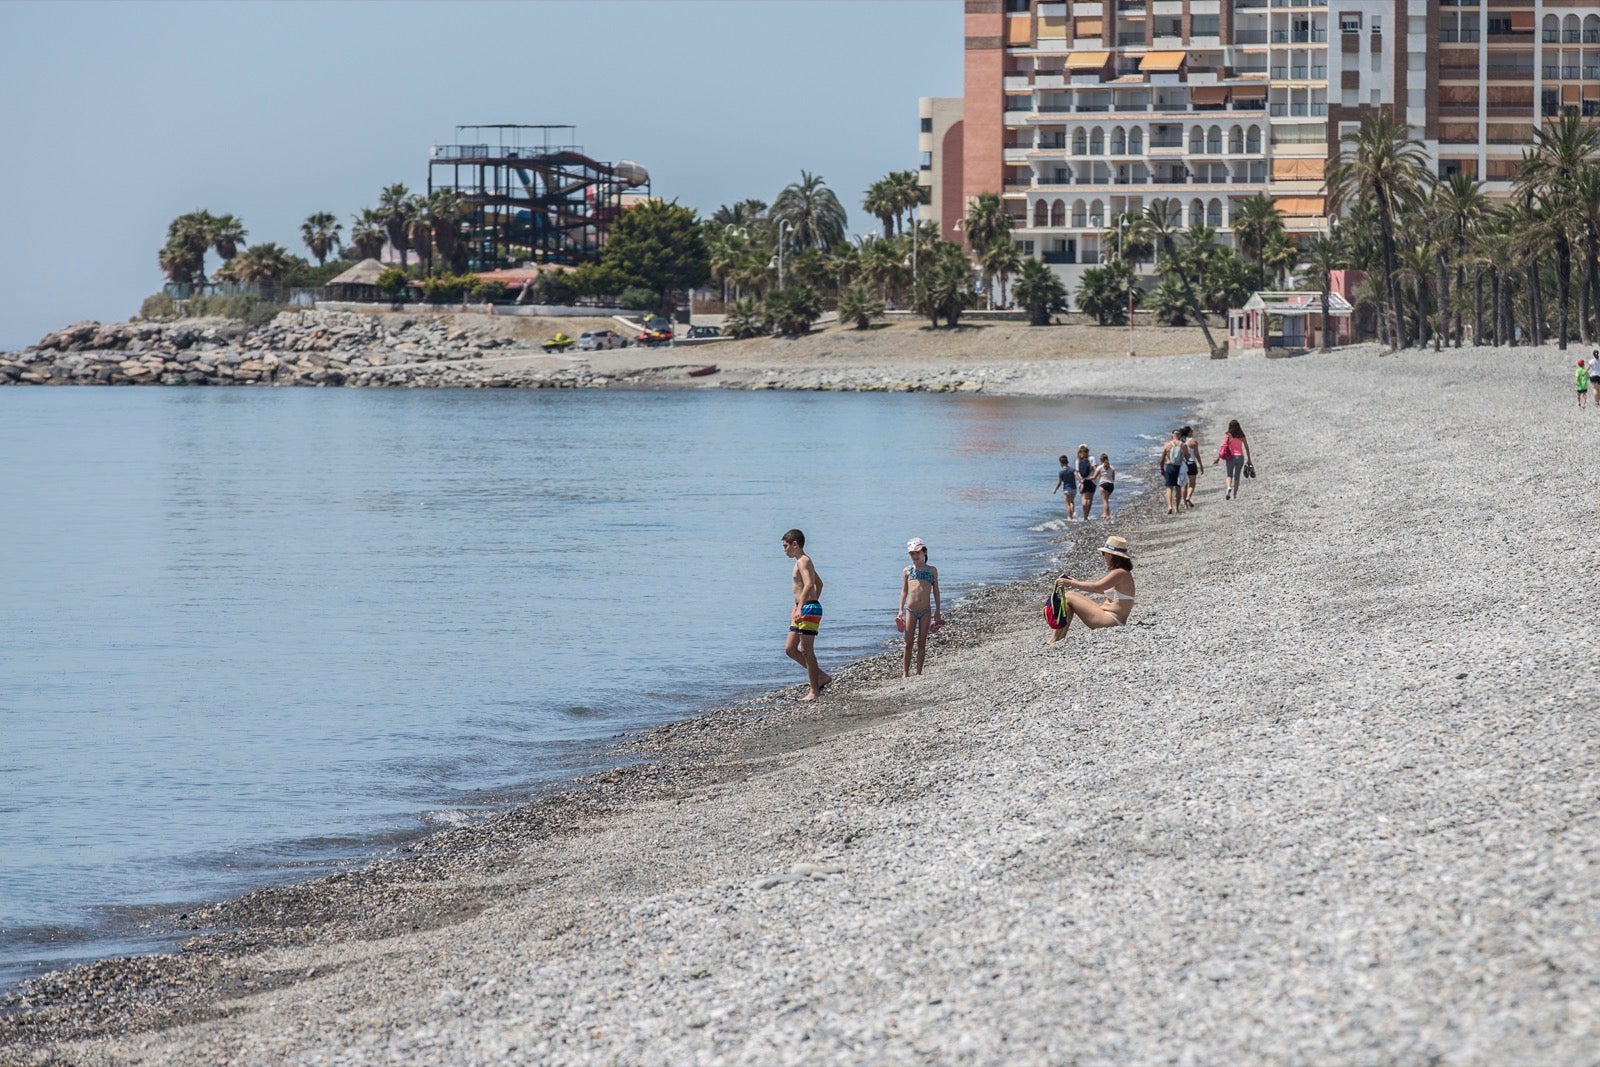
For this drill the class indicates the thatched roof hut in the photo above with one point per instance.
(360, 282)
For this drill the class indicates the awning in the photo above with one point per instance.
(1571, 94)
(1160, 62)
(1300, 207)
(1296, 169)
(1087, 27)
(1248, 92)
(1051, 27)
(1521, 21)
(1019, 32)
(1088, 60)
(1208, 94)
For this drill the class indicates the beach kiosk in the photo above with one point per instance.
(1288, 320)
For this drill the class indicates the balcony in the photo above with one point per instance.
(1058, 257)
(1464, 35)
(1249, 36)
(1456, 71)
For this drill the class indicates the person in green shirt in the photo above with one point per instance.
(1583, 384)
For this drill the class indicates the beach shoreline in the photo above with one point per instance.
(1330, 797)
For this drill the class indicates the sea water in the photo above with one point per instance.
(258, 634)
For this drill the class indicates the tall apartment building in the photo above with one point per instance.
(939, 145)
(1078, 110)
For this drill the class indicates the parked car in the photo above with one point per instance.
(658, 323)
(705, 331)
(601, 340)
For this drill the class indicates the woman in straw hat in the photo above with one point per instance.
(1116, 586)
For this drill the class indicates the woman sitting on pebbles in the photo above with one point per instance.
(1116, 585)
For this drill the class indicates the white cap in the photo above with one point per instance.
(916, 545)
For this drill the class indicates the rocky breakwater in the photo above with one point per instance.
(295, 348)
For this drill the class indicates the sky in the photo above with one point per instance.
(117, 117)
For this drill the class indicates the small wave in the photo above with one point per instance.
(1049, 526)
(449, 817)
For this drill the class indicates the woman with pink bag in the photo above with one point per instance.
(1235, 452)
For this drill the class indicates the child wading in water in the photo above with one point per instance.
(917, 583)
(1067, 482)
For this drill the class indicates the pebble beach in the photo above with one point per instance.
(1333, 797)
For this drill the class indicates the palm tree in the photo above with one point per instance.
(227, 235)
(1163, 220)
(1254, 224)
(999, 261)
(367, 234)
(443, 211)
(883, 264)
(320, 232)
(1586, 212)
(844, 264)
(882, 203)
(1380, 163)
(396, 209)
(179, 263)
(1459, 206)
(1280, 255)
(816, 218)
(986, 220)
(1416, 264)
(743, 213)
(1040, 290)
(264, 265)
(860, 306)
(1561, 150)
(419, 235)
(1324, 255)
(907, 193)
(945, 286)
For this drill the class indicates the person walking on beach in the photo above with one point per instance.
(1191, 464)
(918, 583)
(1583, 384)
(1234, 453)
(1172, 467)
(1106, 479)
(806, 617)
(1116, 585)
(1067, 482)
(1086, 480)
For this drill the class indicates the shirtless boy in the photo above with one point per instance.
(806, 616)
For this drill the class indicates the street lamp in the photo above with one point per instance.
(783, 227)
(1122, 222)
(744, 234)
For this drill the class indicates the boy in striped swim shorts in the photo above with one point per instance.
(806, 616)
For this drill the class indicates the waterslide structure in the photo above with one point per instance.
(530, 196)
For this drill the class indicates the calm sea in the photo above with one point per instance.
(257, 634)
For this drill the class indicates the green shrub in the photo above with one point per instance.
(157, 306)
(392, 282)
(447, 288)
(637, 298)
(247, 309)
(490, 292)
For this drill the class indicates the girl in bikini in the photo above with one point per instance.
(1116, 586)
(918, 583)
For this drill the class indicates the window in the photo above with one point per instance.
(1377, 25)
(1501, 24)
(927, 125)
(1016, 7)
(1026, 246)
(1350, 23)
(927, 161)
